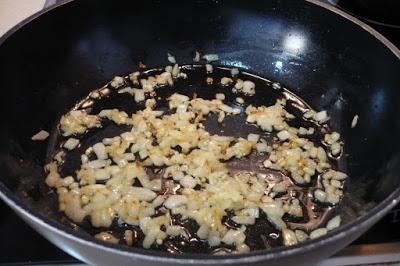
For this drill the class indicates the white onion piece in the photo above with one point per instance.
(333, 223)
(283, 135)
(138, 95)
(211, 57)
(175, 201)
(171, 59)
(318, 233)
(117, 82)
(239, 100)
(196, 57)
(71, 144)
(289, 237)
(96, 164)
(141, 193)
(220, 96)
(100, 151)
(249, 87)
(234, 72)
(188, 182)
(209, 68)
(301, 235)
(354, 121)
(41, 135)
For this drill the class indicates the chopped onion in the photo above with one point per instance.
(209, 68)
(234, 72)
(240, 100)
(71, 144)
(249, 87)
(117, 82)
(220, 96)
(100, 151)
(175, 201)
(211, 57)
(289, 237)
(318, 233)
(333, 223)
(41, 135)
(171, 59)
(196, 57)
(168, 161)
(354, 121)
(283, 135)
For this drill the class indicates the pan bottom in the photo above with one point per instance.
(262, 234)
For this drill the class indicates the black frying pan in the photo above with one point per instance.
(49, 64)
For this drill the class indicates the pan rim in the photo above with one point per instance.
(252, 257)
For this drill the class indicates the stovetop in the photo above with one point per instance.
(20, 244)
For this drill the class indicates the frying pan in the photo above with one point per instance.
(49, 62)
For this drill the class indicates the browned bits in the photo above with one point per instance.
(141, 65)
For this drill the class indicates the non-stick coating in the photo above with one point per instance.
(332, 63)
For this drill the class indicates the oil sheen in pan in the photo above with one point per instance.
(261, 235)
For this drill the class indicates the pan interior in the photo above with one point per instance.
(261, 235)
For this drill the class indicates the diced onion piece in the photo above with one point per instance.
(101, 174)
(333, 223)
(213, 240)
(226, 81)
(289, 237)
(301, 235)
(139, 95)
(354, 121)
(220, 96)
(175, 71)
(233, 237)
(202, 232)
(318, 233)
(274, 213)
(71, 144)
(196, 57)
(280, 187)
(126, 90)
(267, 163)
(283, 135)
(141, 193)
(240, 100)
(249, 87)
(41, 135)
(241, 219)
(100, 151)
(188, 182)
(211, 57)
(209, 68)
(262, 147)
(234, 72)
(175, 201)
(321, 117)
(171, 59)
(117, 82)
(253, 137)
(96, 164)
(320, 195)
